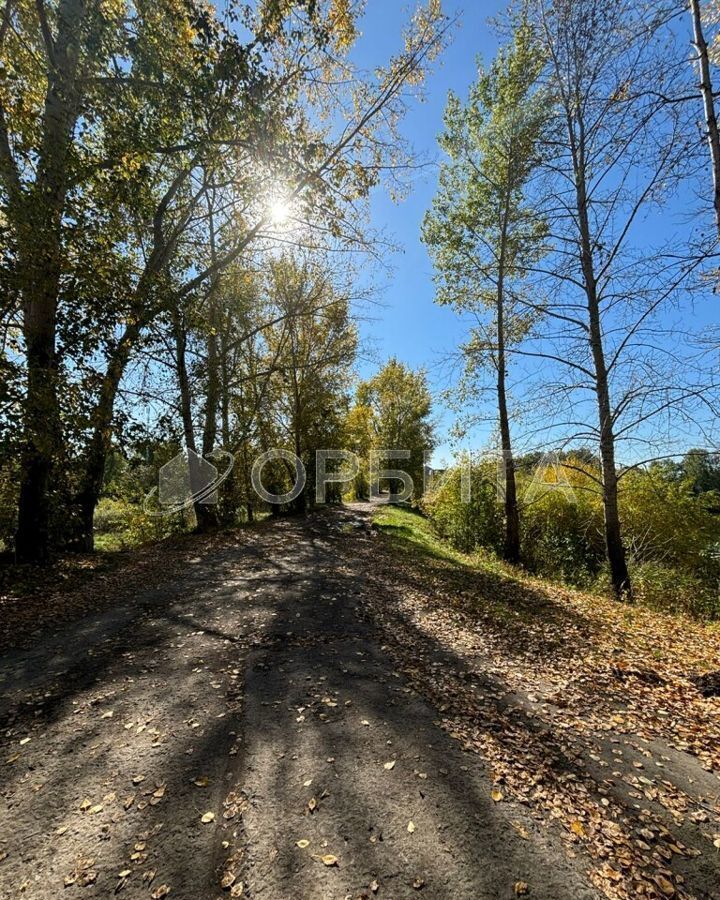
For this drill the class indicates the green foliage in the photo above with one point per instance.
(396, 405)
(672, 533)
(466, 526)
(562, 537)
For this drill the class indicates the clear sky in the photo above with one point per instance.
(408, 324)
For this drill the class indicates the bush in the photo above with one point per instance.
(672, 534)
(674, 590)
(562, 537)
(119, 524)
(466, 526)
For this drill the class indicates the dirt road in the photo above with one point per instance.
(243, 729)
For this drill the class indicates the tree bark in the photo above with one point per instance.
(40, 265)
(706, 90)
(619, 575)
(512, 520)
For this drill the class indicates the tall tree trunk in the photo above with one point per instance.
(204, 517)
(40, 264)
(706, 91)
(613, 537)
(512, 521)
(100, 442)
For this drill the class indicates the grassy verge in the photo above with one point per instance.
(418, 535)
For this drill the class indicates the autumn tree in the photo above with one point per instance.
(483, 232)
(400, 406)
(115, 120)
(618, 152)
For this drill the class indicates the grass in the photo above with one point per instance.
(418, 534)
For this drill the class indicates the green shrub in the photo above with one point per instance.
(466, 526)
(672, 533)
(562, 537)
(673, 589)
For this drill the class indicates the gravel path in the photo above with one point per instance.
(241, 730)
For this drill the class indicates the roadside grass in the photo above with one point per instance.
(496, 592)
(412, 528)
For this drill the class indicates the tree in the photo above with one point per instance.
(400, 404)
(619, 151)
(708, 98)
(143, 106)
(312, 347)
(482, 232)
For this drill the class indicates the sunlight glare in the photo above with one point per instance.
(279, 211)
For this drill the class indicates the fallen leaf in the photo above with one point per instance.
(160, 892)
(497, 795)
(665, 886)
(228, 880)
(577, 827)
(389, 765)
(329, 859)
(312, 804)
(203, 781)
(302, 843)
(207, 817)
(419, 884)
(411, 827)
(521, 888)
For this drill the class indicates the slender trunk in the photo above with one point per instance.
(229, 496)
(711, 124)
(207, 514)
(40, 266)
(613, 537)
(512, 520)
(204, 517)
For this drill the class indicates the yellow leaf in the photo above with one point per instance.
(312, 804)
(577, 827)
(521, 888)
(329, 859)
(95, 809)
(665, 886)
(138, 779)
(160, 892)
(411, 827)
(203, 781)
(389, 765)
(302, 843)
(497, 795)
(207, 817)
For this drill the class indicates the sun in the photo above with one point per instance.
(279, 211)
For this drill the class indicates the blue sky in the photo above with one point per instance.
(409, 325)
